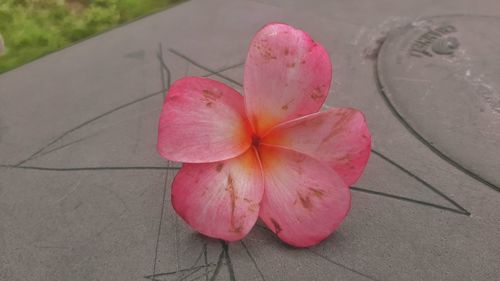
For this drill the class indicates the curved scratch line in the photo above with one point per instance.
(177, 53)
(426, 184)
(218, 265)
(90, 168)
(229, 263)
(164, 67)
(343, 266)
(160, 223)
(253, 260)
(86, 123)
(369, 191)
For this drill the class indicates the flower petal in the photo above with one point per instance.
(304, 200)
(202, 120)
(338, 137)
(221, 199)
(287, 75)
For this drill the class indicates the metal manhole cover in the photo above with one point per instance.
(441, 75)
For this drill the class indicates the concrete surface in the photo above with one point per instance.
(84, 195)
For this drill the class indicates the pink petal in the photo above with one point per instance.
(287, 75)
(221, 199)
(338, 137)
(304, 200)
(202, 121)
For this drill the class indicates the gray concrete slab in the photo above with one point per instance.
(84, 196)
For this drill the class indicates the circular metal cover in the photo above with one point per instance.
(441, 76)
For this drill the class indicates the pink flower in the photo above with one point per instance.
(268, 154)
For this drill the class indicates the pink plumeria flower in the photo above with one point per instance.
(269, 154)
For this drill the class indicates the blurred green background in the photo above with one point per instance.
(32, 28)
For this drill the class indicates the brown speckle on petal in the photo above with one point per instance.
(317, 192)
(265, 52)
(343, 159)
(317, 94)
(218, 168)
(285, 106)
(238, 229)
(210, 97)
(232, 194)
(299, 158)
(277, 227)
(305, 202)
(338, 128)
(252, 206)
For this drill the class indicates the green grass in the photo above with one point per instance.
(32, 28)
